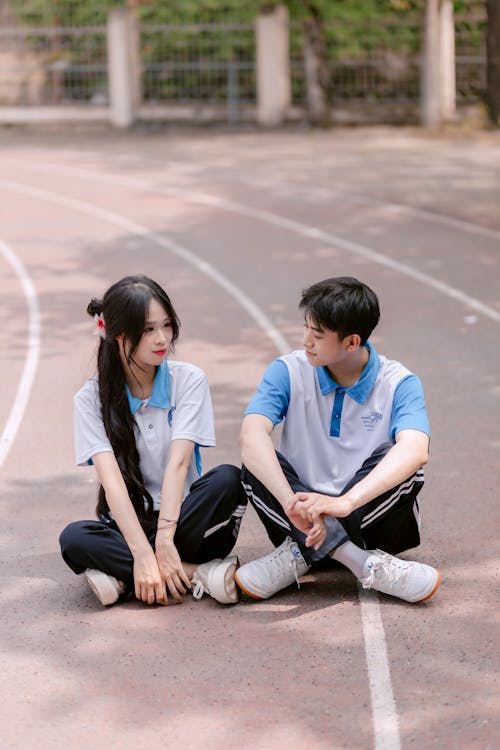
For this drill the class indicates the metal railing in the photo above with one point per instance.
(54, 65)
(198, 62)
(215, 63)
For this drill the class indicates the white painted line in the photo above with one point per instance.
(384, 712)
(140, 230)
(398, 208)
(385, 718)
(30, 364)
(355, 248)
(277, 220)
(421, 213)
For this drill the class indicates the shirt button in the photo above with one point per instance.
(337, 416)
(150, 426)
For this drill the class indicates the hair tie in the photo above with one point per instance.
(100, 328)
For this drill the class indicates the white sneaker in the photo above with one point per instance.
(262, 578)
(411, 581)
(106, 588)
(216, 578)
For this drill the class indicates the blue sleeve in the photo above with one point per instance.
(408, 409)
(273, 394)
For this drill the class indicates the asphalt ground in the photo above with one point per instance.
(235, 225)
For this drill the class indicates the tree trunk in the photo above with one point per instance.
(316, 67)
(493, 64)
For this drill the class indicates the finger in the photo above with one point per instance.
(160, 593)
(173, 590)
(178, 584)
(185, 578)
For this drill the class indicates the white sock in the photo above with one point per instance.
(352, 557)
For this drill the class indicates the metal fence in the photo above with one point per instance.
(380, 62)
(470, 50)
(215, 63)
(55, 65)
(198, 62)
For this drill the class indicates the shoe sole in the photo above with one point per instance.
(245, 590)
(106, 598)
(232, 600)
(436, 586)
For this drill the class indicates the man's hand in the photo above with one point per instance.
(300, 521)
(317, 533)
(312, 505)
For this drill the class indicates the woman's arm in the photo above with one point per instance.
(169, 562)
(149, 586)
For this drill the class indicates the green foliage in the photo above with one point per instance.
(63, 12)
(94, 12)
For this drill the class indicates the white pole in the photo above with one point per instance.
(120, 74)
(431, 67)
(273, 66)
(448, 76)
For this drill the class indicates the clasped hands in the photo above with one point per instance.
(307, 510)
(158, 573)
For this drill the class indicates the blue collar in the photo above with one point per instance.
(160, 395)
(360, 390)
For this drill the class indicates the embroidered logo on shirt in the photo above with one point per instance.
(170, 415)
(370, 422)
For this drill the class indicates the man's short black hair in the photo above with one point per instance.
(343, 305)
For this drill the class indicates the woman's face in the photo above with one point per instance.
(156, 338)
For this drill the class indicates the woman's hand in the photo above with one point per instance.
(149, 586)
(170, 566)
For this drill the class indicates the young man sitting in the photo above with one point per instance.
(345, 480)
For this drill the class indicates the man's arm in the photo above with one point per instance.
(409, 453)
(259, 456)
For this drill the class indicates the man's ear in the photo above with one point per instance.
(353, 341)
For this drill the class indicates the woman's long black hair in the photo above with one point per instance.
(124, 308)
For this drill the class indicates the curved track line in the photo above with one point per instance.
(403, 208)
(23, 391)
(142, 231)
(422, 213)
(385, 719)
(292, 226)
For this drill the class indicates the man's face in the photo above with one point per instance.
(323, 348)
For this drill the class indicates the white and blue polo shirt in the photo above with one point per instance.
(328, 431)
(179, 408)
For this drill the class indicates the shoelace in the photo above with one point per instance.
(393, 568)
(289, 561)
(199, 589)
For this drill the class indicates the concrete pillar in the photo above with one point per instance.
(438, 64)
(122, 67)
(273, 66)
(448, 73)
